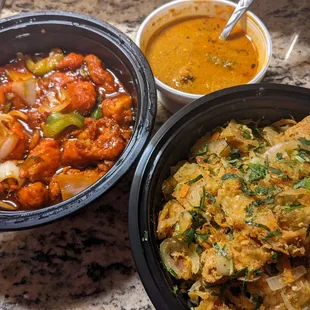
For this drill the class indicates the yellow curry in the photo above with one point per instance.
(235, 228)
(189, 56)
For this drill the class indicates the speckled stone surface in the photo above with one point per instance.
(84, 261)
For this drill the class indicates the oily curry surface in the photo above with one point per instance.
(189, 56)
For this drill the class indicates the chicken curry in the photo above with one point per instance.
(65, 119)
(235, 228)
(188, 55)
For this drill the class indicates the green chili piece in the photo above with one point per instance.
(57, 122)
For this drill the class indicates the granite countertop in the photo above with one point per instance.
(84, 261)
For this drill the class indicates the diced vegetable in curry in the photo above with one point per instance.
(64, 121)
(189, 56)
(235, 228)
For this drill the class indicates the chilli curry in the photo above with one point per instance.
(65, 119)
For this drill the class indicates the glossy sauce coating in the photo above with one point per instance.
(64, 121)
(189, 56)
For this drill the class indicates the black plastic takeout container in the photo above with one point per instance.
(39, 32)
(172, 144)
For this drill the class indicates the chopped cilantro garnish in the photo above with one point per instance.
(257, 172)
(305, 183)
(272, 234)
(188, 235)
(231, 235)
(172, 272)
(304, 141)
(233, 176)
(211, 197)
(274, 255)
(251, 223)
(194, 180)
(222, 251)
(246, 132)
(199, 249)
(279, 156)
(203, 151)
(263, 191)
(198, 219)
(234, 154)
(203, 237)
(145, 237)
(292, 208)
(278, 172)
(175, 289)
(229, 176)
(257, 272)
(258, 301)
(249, 210)
(261, 202)
(202, 199)
(244, 271)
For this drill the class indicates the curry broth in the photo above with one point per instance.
(189, 56)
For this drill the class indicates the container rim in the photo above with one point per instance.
(257, 78)
(141, 184)
(146, 92)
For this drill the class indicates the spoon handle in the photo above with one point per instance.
(240, 9)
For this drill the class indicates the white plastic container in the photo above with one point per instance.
(174, 99)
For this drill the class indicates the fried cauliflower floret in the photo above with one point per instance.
(22, 145)
(33, 196)
(99, 140)
(42, 162)
(98, 74)
(72, 61)
(83, 96)
(119, 108)
(60, 79)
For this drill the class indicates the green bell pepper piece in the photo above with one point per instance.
(97, 113)
(44, 65)
(57, 122)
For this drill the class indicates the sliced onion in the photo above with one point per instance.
(286, 301)
(6, 118)
(8, 145)
(26, 90)
(218, 147)
(278, 282)
(19, 114)
(19, 76)
(71, 185)
(9, 170)
(284, 121)
(34, 140)
(281, 148)
(172, 246)
(270, 135)
(6, 206)
(58, 105)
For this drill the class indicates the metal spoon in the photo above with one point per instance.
(242, 7)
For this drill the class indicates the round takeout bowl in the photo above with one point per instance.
(39, 32)
(171, 144)
(174, 99)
